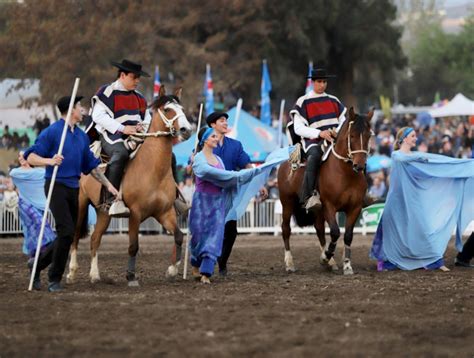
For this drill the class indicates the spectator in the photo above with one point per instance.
(378, 189)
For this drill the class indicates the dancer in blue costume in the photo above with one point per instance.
(428, 198)
(30, 184)
(221, 195)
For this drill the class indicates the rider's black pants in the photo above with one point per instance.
(118, 160)
(311, 174)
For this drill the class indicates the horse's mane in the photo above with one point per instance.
(162, 100)
(361, 124)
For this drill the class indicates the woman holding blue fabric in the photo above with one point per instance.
(220, 196)
(428, 198)
(30, 184)
(207, 217)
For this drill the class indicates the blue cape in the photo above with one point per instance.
(240, 186)
(30, 184)
(430, 195)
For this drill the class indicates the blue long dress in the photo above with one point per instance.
(429, 197)
(30, 184)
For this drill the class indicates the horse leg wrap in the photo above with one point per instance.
(131, 268)
(331, 249)
(347, 253)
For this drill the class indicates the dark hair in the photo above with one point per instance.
(120, 71)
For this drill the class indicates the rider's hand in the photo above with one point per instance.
(56, 160)
(263, 193)
(114, 191)
(326, 135)
(128, 130)
(139, 127)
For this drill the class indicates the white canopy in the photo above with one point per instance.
(458, 106)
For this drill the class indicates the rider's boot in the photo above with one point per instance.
(310, 185)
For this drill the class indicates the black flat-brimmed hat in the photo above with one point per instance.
(63, 103)
(214, 116)
(129, 66)
(320, 73)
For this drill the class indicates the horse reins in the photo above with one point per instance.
(350, 152)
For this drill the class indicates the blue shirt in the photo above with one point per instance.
(232, 154)
(78, 158)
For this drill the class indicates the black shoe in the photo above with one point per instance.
(54, 287)
(36, 279)
(461, 263)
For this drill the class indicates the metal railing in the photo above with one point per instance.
(260, 217)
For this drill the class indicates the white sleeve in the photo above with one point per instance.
(101, 116)
(341, 119)
(301, 127)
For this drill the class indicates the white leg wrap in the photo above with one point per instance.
(172, 270)
(289, 264)
(73, 267)
(94, 273)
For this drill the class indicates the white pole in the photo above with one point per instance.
(280, 124)
(234, 132)
(186, 245)
(51, 186)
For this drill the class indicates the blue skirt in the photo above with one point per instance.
(206, 223)
(30, 218)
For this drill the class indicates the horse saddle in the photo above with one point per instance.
(298, 157)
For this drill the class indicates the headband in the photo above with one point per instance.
(406, 132)
(206, 135)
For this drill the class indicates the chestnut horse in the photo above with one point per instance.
(148, 189)
(342, 186)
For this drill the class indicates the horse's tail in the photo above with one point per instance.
(302, 217)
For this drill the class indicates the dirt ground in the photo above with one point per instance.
(258, 310)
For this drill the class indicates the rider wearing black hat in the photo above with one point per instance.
(314, 117)
(118, 111)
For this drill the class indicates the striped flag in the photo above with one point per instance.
(309, 83)
(266, 87)
(209, 91)
(156, 83)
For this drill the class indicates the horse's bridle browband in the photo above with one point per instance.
(350, 152)
(169, 123)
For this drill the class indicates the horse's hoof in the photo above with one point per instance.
(172, 271)
(334, 268)
(133, 283)
(95, 279)
(348, 271)
(290, 269)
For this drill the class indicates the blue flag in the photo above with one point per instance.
(156, 82)
(209, 91)
(266, 87)
(309, 82)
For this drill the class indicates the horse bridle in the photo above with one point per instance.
(169, 123)
(350, 152)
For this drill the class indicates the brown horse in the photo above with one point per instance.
(342, 188)
(148, 189)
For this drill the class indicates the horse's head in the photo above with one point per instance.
(171, 114)
(355, 136)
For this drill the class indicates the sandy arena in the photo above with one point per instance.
(258, 310)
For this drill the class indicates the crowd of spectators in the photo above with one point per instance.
(12, 140)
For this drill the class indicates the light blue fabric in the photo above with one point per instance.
(239, 186)
(430, 195)
(30, 184)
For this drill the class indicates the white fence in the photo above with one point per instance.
(260, 217)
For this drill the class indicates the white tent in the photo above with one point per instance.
(458, 106)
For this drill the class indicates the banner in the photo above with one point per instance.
(266, 87)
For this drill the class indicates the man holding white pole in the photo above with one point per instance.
(76, 158)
